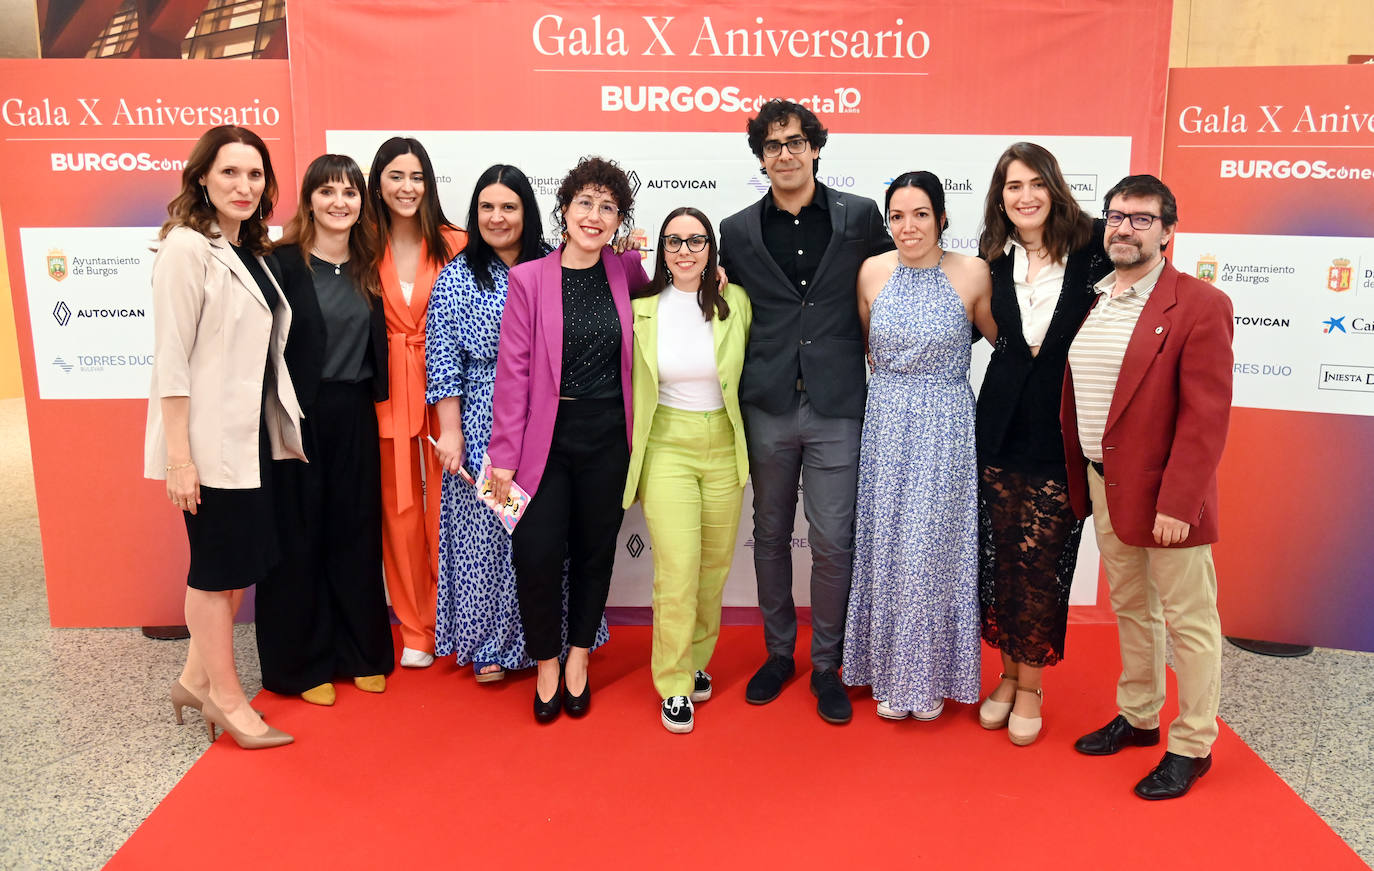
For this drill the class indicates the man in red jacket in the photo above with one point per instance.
(1146, 402)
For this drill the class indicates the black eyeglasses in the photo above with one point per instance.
(694, 243)
(796, 145)
(1139, 220)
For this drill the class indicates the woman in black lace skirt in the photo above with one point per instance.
(1045, 256)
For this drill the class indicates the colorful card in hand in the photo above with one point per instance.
(509, 513)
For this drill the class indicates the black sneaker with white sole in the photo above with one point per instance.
(701, 690)
(677, 714)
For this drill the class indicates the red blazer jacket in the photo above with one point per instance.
(1167, 424)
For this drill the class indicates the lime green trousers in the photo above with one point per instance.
(690, 490)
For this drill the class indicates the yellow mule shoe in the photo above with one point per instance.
(320, 695)
(371, 683)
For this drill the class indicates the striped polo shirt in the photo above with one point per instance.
(1096, 353)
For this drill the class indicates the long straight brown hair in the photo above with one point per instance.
(363, 251)
(1067, 229)
(432, 220)
(192, 208)
(709, 293)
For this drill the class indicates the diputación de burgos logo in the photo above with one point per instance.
(843, 100)
(1339, 275)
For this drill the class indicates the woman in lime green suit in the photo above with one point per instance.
(688, 462)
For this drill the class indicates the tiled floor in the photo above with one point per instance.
(86, 752)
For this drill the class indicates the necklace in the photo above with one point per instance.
(337, 266)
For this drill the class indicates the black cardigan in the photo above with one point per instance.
(305, 342)
(1018, 405)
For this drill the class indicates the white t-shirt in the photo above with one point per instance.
(687, 374)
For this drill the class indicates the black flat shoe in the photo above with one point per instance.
(577, 705)
(1114, 736)
(1173, 777)
(547, 712)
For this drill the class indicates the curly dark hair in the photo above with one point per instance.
(598, 172)
(776, 113)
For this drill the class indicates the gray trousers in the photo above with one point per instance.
(823, 452)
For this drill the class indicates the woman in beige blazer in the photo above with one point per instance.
(222, 404)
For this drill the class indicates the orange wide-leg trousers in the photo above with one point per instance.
(410, 540)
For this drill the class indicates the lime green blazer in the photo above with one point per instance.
(732, 337)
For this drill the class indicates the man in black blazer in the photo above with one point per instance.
(797, 253)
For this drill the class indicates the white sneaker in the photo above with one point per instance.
(887, 712)
(411, 658)
(931, 714)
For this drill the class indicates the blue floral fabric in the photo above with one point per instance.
(912, 628)
(478, 614)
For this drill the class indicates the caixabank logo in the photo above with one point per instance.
(1357, 326)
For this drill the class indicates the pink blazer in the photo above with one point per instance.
(529, 362)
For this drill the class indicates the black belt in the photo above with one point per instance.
(1099, 467)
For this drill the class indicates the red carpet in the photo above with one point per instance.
(443, 773)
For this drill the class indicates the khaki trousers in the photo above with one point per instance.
(1154, 588)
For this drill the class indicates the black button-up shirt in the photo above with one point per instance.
(797, 242)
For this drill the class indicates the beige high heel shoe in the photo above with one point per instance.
(184, 698)
(1024, 730)
(993, 714)
(215, 717)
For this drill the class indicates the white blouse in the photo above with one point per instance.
(1037, 299)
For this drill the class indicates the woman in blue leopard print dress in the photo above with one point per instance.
(478, 616)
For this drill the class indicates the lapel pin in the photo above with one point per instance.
(1158, 330)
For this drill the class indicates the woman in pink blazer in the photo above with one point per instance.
(561, 423)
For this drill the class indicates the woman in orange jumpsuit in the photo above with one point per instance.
(415, 242)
